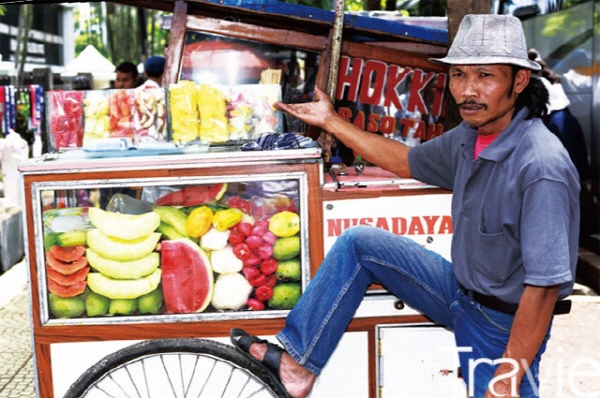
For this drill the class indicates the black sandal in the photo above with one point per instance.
(272, 359)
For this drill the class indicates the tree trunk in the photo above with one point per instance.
(372, 5)
(457, 9)
(25, 21)
(108, 24)
(142, 32)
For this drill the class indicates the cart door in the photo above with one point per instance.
(418, 361)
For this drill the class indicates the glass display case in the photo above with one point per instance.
(169, 239)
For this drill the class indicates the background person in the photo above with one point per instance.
(515, 215)
(154, 68)
(561, 121)
(127, 75)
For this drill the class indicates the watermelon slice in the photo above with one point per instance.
(67, 253)
(64, 267)
(187, 276)
(194, 195)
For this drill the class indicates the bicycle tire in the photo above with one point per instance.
(260, 382)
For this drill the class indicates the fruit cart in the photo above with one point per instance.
(131, 238)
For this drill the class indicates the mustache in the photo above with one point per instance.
(472, 103)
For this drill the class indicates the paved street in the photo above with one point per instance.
(571, 365)
(16, 354)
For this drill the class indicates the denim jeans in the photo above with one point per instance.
(422, 279)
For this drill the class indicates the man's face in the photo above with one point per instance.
(486, 94)
(124, 80)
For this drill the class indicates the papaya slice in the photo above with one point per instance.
(67, 280)
(66, 291)
(64, 267)
(67, 253)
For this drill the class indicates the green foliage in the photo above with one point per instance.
(121, 33)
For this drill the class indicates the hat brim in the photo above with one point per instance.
(483, 60)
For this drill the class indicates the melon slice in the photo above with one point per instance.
(121, 249)
(124, 269)
(123, 288)
(187, 279)
(124, 226)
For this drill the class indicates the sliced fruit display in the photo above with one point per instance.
(68, 253)
(199, 221)
(132, 269)
(66, 291)
(187, 276)
(224, 261)
(173, 217)
(64, 267)
(214, 239)
(72, 238)
(67, 280)
(66, 220)
(231, 292)
(168, 231)
(194, 195)
(123, 288)
(124, 226)
(121, 249)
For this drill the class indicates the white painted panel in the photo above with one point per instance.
(419, 361)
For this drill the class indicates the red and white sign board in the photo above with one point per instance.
(424, 218)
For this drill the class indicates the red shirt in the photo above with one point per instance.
(483, 141)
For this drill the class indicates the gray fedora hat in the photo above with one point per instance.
(489, 39)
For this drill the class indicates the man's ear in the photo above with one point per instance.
(521, 80)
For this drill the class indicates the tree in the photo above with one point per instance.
(25, 22)
(122, 33)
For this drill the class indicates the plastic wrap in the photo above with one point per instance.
(184, 112)
(97, 120)
(150, 115)
(65, 119)
(213, 114)
(121, 110)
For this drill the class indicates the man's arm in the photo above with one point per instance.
(388, 154)
(526, 336)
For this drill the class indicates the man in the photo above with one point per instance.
(154, 68)
(127, 75)
(515, 217)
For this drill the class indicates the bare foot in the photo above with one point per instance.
(298, 380)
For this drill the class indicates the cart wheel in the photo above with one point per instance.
(176, 368)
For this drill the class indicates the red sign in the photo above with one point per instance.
(391, 99)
